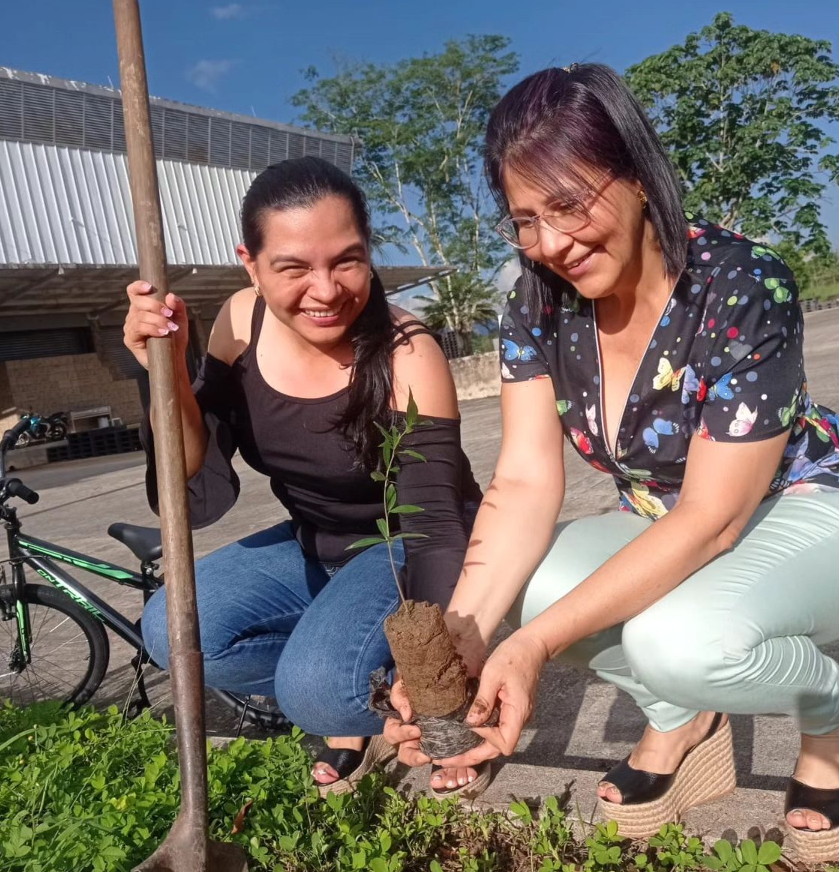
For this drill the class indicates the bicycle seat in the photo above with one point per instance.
(144, 542)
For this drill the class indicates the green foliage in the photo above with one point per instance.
(460, 304)
(87, 791)
(739, 110)
(392, 450)
(420, 125)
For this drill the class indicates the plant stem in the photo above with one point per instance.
(388, 538)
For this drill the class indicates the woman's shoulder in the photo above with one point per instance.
(231, 333)
(420, 368)
(716, 248)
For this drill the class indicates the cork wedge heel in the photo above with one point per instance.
(650, 800)
(813, 846)
(354, 765)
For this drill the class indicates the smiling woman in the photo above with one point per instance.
(668, 351)
(302, 367)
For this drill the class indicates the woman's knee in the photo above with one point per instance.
(678, 657)
(323, 694)
(578, 549)
(315, 702)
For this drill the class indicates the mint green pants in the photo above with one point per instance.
(741, 635)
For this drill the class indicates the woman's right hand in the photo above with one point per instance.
(147, 317)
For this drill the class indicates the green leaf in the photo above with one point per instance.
(749, 851)
(434, 866)
(406, 510)
(390, 497)
(415, 454)
(382, 524)
(409, 536)
(378, 476)
(411, 415)
(365, 543)
(769, 853)
(723, 850)
(522, 811)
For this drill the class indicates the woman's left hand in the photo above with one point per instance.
(509, 677)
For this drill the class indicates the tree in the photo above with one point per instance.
(739, 110)
(460, 304)
(420, 125)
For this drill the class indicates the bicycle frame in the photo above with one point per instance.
(41, 556)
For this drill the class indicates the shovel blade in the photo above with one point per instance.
(176, 856)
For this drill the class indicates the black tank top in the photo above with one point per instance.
(313, 471)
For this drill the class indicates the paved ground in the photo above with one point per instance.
(581, 725)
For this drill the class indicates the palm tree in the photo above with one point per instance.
(461, 302)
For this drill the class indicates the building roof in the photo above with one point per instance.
(67, 241)
(53, 111)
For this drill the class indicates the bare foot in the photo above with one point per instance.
(662, 752)
(818, 766)
(322, 772)
(451, 777)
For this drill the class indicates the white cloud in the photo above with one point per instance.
(206, 74)
(231, 10)
(508, 274)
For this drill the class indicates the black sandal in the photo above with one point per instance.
(471, 790)
(351, 765)
(650, 800)
(813, 846)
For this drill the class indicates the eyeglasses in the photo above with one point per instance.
(566, 217)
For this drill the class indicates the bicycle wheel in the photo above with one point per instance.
(69, 649)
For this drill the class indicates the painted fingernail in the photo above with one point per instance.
(145, 286)
(167, 312)
(172, 325)
(163, 331)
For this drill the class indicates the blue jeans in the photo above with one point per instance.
(275, 622)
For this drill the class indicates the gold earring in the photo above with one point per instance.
(256, 289)
(642, 199)
(372, 274)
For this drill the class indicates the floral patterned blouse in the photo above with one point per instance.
(725, 363)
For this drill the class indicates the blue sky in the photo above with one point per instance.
(247, 57)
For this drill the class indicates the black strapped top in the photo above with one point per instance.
(313, 473)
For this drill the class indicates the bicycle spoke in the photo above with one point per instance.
(60, 653)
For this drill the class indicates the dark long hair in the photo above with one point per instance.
(556, 124)
(302, 182)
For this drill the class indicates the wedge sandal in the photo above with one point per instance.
(650, 800)
(813, 846)
(471, 790)
(351, 765)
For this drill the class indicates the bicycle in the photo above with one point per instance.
(66, 620)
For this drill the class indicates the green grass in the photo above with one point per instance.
(89, 792)
(829, 291)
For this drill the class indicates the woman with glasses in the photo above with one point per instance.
(668, 351)
(302, 368)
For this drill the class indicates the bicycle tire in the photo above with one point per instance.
(95, 639)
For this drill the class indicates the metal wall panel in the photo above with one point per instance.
(53, 111)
